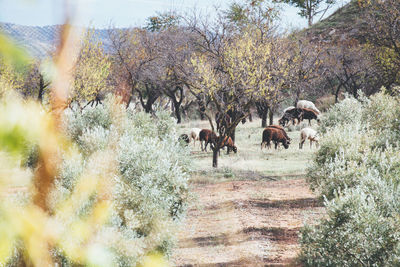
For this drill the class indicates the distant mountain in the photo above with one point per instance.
(40, 41)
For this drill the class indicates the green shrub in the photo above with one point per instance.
(383, 116)
(357, 171)
(346, 112)
(356, 135)
(150, 191)
(361, 228)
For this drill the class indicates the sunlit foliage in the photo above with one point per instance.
(92, 70)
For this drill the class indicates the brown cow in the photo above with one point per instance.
(208, 136)
(309, 114)
(228, 142)
(276, 135)
(282, 129)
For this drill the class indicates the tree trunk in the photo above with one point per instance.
(297, 98)
(337, 95)
(233, 135)
(309, 21)
(262, 111)
(147, 108)
(202, 109)
(309, 12)
(271, 117)
(130, 98)
(41, 89)
(177, 107)
(264, 120)
(215, 158)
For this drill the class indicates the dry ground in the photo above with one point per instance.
(250, 210)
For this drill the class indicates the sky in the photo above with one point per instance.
(119, 13)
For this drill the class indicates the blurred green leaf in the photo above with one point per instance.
(13, 54)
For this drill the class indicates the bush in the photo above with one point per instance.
(346, 112)
(357, 172)
(150, 191)
(325, 102)
(361, 228)
(341, 155)
(353, 140)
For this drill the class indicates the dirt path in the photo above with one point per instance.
(246, 223)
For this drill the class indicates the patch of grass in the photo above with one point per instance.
(251, 163)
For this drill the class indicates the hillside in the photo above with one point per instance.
(344, 24)
(40, 41)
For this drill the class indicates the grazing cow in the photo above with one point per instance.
(208, 136)
(288, 108)
(291, 115)
(195, 135)
(309, 114)
(184, 139)
(228, 142)
(275, 135)
(286, 118)
(307, 104)
(310, 134)
(282, 129)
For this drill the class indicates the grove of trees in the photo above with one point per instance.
(231, 66)
(92, 134)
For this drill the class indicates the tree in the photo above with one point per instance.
(36, 84)
(259, 16)
(305, 67)
(134, 53)
(233, 72)
(162, 21)
(309, 9)
(278, 65)
(349, 67)
(9, 77)
(175, 52)
(91, 71)
(382, 33)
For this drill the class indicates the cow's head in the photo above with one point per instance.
(234, 149)
(282, 121)
(285, 144)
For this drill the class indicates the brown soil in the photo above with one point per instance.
(246, 223)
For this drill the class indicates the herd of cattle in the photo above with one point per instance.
(304, 110)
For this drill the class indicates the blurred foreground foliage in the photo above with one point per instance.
(31, 232)
(119, 190)
(100, 186)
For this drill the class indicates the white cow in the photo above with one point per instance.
(194, 135)
(288, 108)
(310, 134)
(307, 104)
